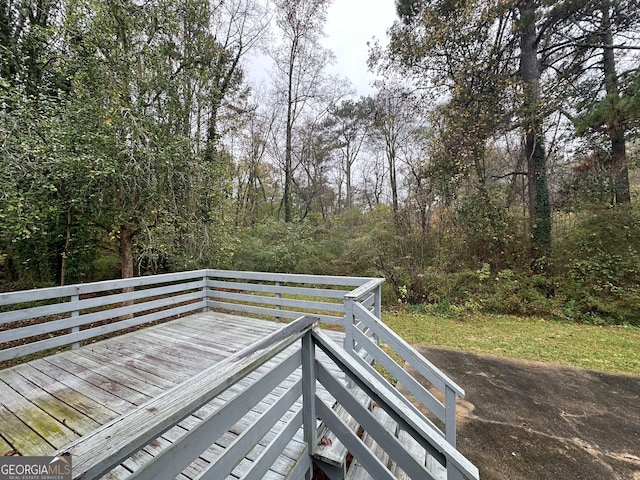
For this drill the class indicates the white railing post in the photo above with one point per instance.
(278, 306)
(348, 324)
(377, 306)
(205, 292)
(349, 320)
(450, 415)
(309, 397)
(75, 314)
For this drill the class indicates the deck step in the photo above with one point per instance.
(331, 454)
(438, 472)
(357, 471)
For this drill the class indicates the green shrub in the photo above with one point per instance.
(285, 247)
(518, 294)
(598, 263)
(105, 267)
(436, 287)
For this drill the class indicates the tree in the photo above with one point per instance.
(470, 47)
(395, 116)
(27, 43)
(254, 186)
(604, 30)
(533, 115)
(315, 159)
(138, 93)
(37, 198)
(301, 59)
(374, 175)
(349, 123)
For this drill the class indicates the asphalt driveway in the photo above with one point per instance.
(523, 420)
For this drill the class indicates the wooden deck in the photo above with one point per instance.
(215, 395)
(47, 403)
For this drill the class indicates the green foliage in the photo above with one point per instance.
(488, 232)
(285, 247)
(104, 267)
(111, 116)
(518, 294)
(600, 257)
(596, 273)
(589, 185)
(615, 108)
(373, 245)
(443, 288)
(467, 292)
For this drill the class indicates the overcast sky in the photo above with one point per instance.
(350, 25)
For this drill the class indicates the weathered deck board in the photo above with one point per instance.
(74, 419)
(49, 402)
(15, 432)
(102, 395)
(75, 400)
(5, 448)
(114, 367)
(30, 412)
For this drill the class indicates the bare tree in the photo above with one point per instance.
(301, 61)
(253, 176)
(395, 112)
(349, 122)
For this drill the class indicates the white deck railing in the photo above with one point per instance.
(45, 320)
(49, 318)
(365, 332)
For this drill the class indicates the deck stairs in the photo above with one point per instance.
(359, 472)
(337, 463)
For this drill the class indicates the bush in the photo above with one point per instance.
(599, 266)
(285, 247)
(519, 294)
(105, 267)
(435, 287)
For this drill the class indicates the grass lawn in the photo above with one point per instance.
(613, 349)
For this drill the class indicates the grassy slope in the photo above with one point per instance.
(611, 349)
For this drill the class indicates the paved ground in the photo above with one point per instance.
(525, 420)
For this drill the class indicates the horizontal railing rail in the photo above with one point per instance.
(38, 294)
(278, 295)
(291, 348)
(34, 321)
(365, 332)
(38, 320)
(407, 419)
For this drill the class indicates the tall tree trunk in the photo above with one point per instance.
(126, 262)
(347, 172)
(288, 174)
(393, 177)
(288, 154)
(65, 249)
(539, 206)
(617, 164)
(126, 251)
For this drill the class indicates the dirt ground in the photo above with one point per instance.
(523, 420)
